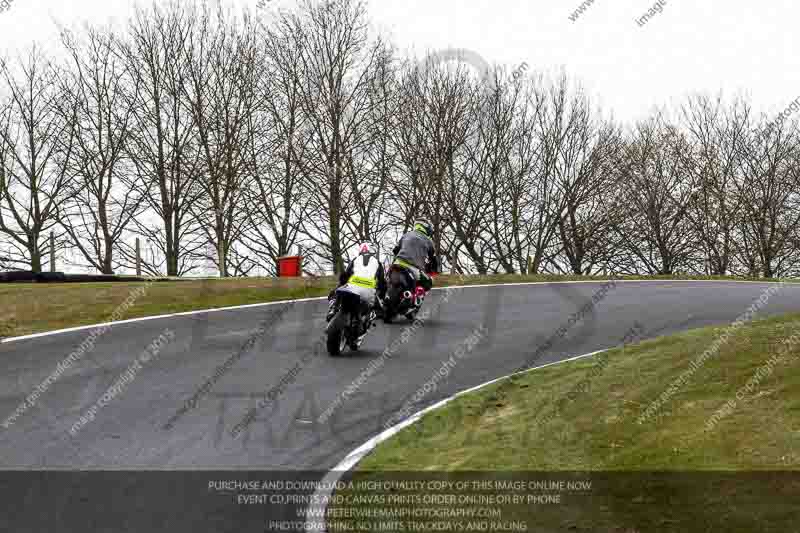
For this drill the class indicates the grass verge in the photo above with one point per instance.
(585, 416)
(31, 307)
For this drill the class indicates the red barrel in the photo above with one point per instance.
(289, 266)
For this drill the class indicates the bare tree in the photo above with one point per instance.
(102, 91)
(281, 133)
(657, 230)
(477, 188)
(769, 187)
(221, 59)
(371, 160)
(336, 57)
(522, 211)
(582, 151)
(222, 143)
(535, 199)
(162, 143)
(437, 115)
(714, 133)
(36, 140)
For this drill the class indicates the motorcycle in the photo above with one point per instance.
(403, 295)
(349, 321)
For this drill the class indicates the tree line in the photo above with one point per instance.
(218, 138)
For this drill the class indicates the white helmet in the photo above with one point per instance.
(366, 248)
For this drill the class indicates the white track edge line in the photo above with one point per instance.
(154, 317)
(301, 300)
(315, 511)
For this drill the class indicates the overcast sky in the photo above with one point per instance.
(737, 46)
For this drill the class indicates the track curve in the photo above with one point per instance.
(130, 432)
(286, 434)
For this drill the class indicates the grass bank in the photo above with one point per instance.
(586, 416)
(32, 308)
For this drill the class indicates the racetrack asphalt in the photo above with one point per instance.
(133, 431)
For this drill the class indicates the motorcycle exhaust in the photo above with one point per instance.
(407, 295)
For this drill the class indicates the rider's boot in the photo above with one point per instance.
(377, 308)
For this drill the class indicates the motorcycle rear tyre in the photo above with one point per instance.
(336, 343)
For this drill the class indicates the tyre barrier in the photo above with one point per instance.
(21, 276)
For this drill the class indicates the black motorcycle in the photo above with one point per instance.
(349, 321)
(403, 296)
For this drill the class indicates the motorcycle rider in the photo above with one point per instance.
(414, 250)
(364, 276)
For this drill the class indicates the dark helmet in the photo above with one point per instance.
(425, 227)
